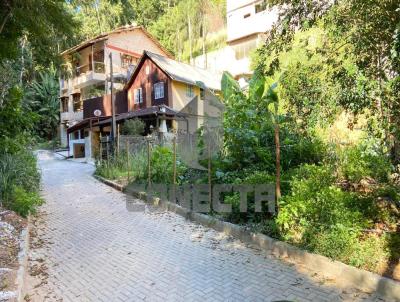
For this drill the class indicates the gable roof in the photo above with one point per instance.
(180, 72)
(105, 36)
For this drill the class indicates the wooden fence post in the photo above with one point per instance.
(118, 139)
(107, 149)
(148, 164)
(174, 176)
(209, 174)
(127, 158)
(101, 150)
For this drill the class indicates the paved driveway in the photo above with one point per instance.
(87, 247)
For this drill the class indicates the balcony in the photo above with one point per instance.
(71, 116)
(89, 74)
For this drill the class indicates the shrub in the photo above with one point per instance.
(250, 178)
(337, 242)
(117, 166)
(371, 253)
(358, 162)
(18, 169)
(314, 204)
(19, 182)
(133, 127)
(162, 165)
(23, 202)
(322, 218)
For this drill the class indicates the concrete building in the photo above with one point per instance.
(87, 68)
(247, 23)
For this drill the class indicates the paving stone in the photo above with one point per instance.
(103, 252)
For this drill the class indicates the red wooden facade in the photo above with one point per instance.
(145, 76)
(103, 103)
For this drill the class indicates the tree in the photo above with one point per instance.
(358, 60)
(15, 119)
(42, 95)
(95, 17)
(146, 12)
(46, 24)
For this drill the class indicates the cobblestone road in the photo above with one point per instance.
(87, 247)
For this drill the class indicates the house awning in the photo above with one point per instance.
(150, 111)
(85, 123)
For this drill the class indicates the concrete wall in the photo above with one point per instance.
(242, 19)
(225, 60)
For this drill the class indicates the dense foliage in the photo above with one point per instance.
(31, 35)
(180, 25)
(133, 127)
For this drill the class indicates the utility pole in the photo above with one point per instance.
(113, 124)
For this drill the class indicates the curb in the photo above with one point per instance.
(343, 274)
(23, 262)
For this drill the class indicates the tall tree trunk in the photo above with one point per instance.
(204, 34)
(190, 39)
(98, 16)
(5, 19)
(21, 75)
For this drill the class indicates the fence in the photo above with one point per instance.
(131, 157)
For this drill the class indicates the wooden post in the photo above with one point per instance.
(101, 150)
(127, 159)
(148, 164)
(209, 174)
(174, 179)
(107, 149)
(118, 139)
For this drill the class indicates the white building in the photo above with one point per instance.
(247, 22)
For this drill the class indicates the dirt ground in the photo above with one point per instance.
(11, 226)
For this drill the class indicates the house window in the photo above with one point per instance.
(126, 60)
(189, 91)
(260, 7)
(138, 96)
(64, 104)
(76, 135)
(78, 104)
(159, 90)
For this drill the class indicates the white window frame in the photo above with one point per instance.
(159, 90)
(138, 96)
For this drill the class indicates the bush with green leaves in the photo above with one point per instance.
(117, 166)
(161, 165)
(358, 162)
(24, 202)
(19, 182)
(133, 127)
(323, 218)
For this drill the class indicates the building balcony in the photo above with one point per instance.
(89, 74)
(71, 116)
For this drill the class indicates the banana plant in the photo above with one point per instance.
(263, 92)
(43, 97)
